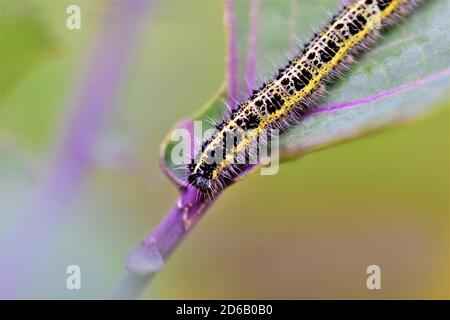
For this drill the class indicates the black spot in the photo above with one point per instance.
(239, 121)
(285, 81)
(298, 84)
(307, 74)
(304, 80)
(332, 45)
(369, 1)
(330, 52)
(357, 24)
(361, 19)
(339, 26)
(252, 122)
(220, 126)
(235, 110)
(277, 100)
(275, 104)
(324, 56)
(271, 108)
(352, 28)
(382, 4)
(311, 56)
(258, 103)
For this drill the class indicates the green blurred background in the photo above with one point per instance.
(308, 232)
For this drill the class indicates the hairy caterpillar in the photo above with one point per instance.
(285, 99)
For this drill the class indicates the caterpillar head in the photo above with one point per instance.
(201, 177)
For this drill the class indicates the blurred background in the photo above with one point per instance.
(83, 113)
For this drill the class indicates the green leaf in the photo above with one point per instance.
(25, 42)
(403, 77)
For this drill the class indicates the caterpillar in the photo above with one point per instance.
(295, 89)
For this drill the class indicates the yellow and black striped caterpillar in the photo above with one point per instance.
(285, 99)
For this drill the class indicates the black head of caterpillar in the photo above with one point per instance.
(201, 177)
(208, 173)
(284, 100)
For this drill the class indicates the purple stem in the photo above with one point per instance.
(252, 45)
(383, 94)
(175, 226)
(149, 256)
(98, 85)
(232, 75)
